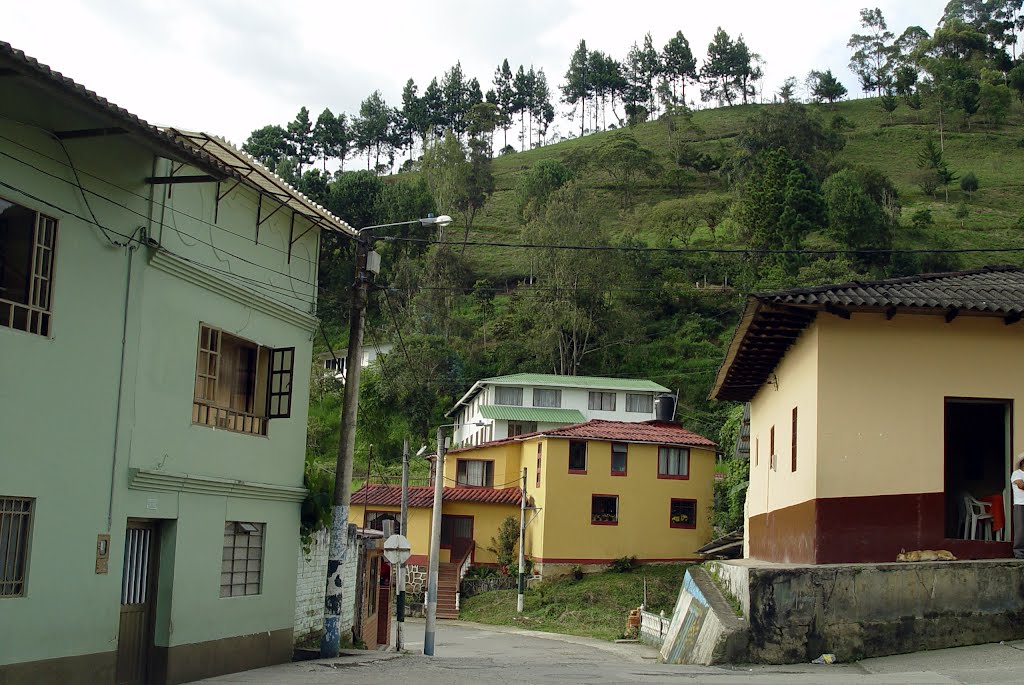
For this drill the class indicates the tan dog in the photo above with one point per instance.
(926, 555)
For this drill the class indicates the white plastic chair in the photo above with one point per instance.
(977, 513)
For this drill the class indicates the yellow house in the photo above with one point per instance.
(880, 413)
(596, 491)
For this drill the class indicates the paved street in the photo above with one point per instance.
(469, 653)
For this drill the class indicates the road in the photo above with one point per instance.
(473, 654)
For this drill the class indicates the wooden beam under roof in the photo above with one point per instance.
(90, 132)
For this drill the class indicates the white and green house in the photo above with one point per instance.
(157, 291)
(517, 404)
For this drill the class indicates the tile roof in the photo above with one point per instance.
(503, 412)
(375, 495)
(653, 432)
(772, 321)
(992, 289)
(660, 432)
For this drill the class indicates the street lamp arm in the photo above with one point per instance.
(442, 220)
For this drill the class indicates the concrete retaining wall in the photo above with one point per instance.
(796, 613)
(704, 629)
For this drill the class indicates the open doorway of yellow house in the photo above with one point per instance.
(457, 534)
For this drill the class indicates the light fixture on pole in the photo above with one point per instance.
(367, 266)
(430, 623)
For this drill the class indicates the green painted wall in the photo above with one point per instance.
(58, 395)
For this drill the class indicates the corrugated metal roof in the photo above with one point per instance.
(592, 382)
(557, 381)
(196, 149)
(375, 495)
(772, 321)
(261, 179)
(503, 412)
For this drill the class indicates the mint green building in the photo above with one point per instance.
(157, 311)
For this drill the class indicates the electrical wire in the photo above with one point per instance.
(709, 250)
(128, 191)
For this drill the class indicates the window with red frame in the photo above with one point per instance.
(539, 449)
(620, 452)
(604, 510)
(683, 513)
(793, 443)
(673, 462)
(577, 456)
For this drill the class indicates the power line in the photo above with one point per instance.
(708, 250)
(70, 164)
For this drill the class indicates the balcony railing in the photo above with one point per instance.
(207, 414)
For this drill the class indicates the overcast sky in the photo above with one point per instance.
(230, 66)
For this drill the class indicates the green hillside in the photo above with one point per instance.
(994, 153)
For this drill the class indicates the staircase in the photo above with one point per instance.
(447, 589)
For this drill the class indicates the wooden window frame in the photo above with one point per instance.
(488, 466)
(604, 523)
(36, 313)
(395, 515)
(236, 529)
(16, 516)
(625, 465)
(601, 395)
(771, 448)
(671, 516)
(583, 471)
(671, 476)
(539, 452)
(793, 444)
(276, 382)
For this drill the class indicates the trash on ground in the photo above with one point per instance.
(825, 659)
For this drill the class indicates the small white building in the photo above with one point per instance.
(506, 406)
(332, 365)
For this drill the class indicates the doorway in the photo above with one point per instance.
(456, 533)
(138, 603)
(977, 456)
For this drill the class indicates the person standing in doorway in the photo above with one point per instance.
(1017, 485)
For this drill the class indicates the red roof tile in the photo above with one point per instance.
(658, 432)
(423, 496)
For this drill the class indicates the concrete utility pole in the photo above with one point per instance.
(435, 548)
(522, 551)
(403, 522)
(330, 645)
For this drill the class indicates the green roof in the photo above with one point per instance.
(578, 382)
(503, 412)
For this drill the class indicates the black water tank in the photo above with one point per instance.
(664, 407)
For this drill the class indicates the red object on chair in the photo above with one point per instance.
(996, 509)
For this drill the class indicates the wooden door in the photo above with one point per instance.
(384, 604)
(138, 600)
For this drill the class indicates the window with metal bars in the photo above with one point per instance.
(241, 571)
(15, 526)
(27, 241)
(240, 385)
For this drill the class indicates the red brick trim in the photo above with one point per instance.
(571, 560)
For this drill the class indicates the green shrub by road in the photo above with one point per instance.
(596, 606)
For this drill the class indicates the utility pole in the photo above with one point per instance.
(522, 552)
(435, 548)
(403, 522)
(330, 645)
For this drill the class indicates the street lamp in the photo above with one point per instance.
(430, 624)
(367, 266)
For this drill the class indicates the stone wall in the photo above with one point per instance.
(474, 586)
(796, 613)
(311, 587)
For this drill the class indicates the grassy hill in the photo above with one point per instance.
(994, 153)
